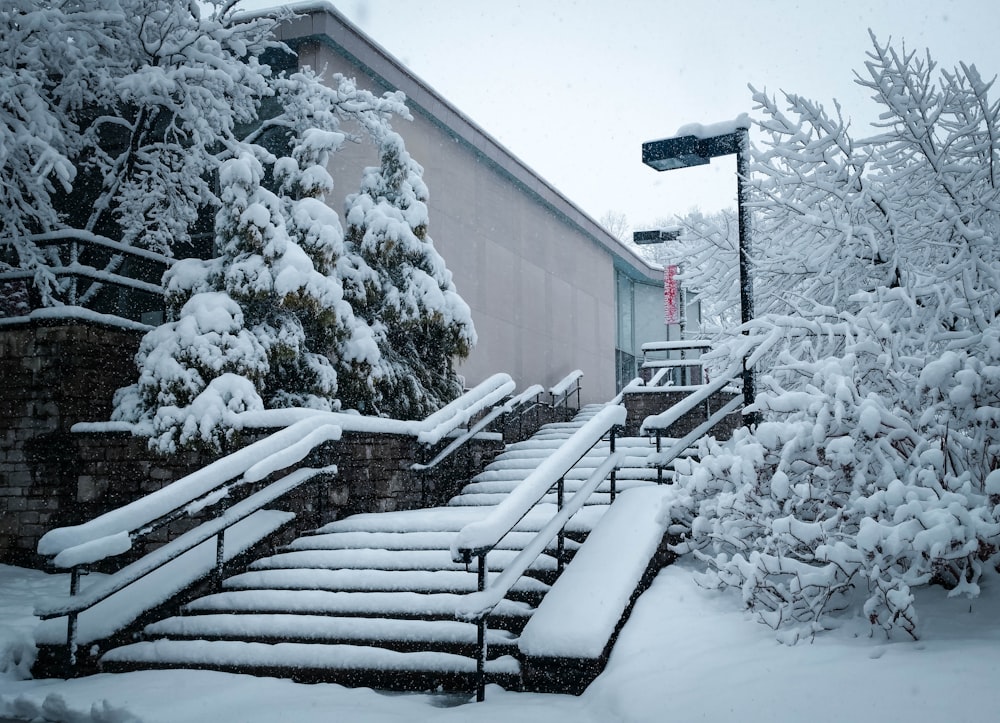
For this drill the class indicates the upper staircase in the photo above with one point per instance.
(372, 599)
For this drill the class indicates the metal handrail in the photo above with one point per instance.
(541, 481)
(753, 350)
(477, 606)
(150, 563)
(71, 236)
(75, 269)
(137, 519)
(565, 388)
(507, 407)
(197, 486)
(459, 411)
(663, 420)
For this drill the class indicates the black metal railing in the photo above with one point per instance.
(505, 409)
(477, 540)
(88, 271)
(116, 531)
(561, 392)
(753, 349)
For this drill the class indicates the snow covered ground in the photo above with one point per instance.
(686, 655)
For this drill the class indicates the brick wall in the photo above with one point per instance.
(53, 375)
(374, 475)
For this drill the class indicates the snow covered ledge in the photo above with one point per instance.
(566, 643)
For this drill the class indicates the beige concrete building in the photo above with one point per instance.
(550, 290)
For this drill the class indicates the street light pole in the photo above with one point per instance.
(698, 149)
(746, 278)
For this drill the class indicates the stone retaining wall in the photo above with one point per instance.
(639, 405)
(374, 475)
(54, 374)
(57, 374)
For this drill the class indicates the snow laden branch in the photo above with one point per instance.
(156, 125)
(877, 268)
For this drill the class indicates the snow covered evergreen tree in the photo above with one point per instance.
(875, 468)
(420, 322)
(121, 115)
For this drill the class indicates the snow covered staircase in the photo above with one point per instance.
(371, 599)
(509, 468)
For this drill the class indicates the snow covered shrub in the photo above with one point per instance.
(874, 469)
(850, 487)
(175, 398)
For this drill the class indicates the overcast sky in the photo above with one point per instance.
(573, 87)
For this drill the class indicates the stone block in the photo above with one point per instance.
(90, 488)
(385, 504)
(16, 504)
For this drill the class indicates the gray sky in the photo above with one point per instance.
(573, 87)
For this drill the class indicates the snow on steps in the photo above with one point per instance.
(448, 581)
(403, 541)
(406, 635)
(360, 559)
(578, 618)
(402, 605)
(371, 599)
(347, 664)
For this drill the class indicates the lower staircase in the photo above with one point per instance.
(371, 600)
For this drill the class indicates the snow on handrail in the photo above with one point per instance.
(161, 555)
(485, 534)
(663, 420)
(562, 386)
(477, 605)
(751, 349)
(86, 237)
(676, 345)
(461, 410)
(508, 406)
(187, 489)
(662, 459)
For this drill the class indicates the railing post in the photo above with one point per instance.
(614, 470)
(561, 537)
(220, 557)
(481, 634)
(74, 255)
(659, 448)
(72, 624)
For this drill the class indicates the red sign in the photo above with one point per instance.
(671, 295)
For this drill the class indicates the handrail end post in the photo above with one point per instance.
(481, 659)
(72, 626)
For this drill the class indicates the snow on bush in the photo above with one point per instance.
(874, 468)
